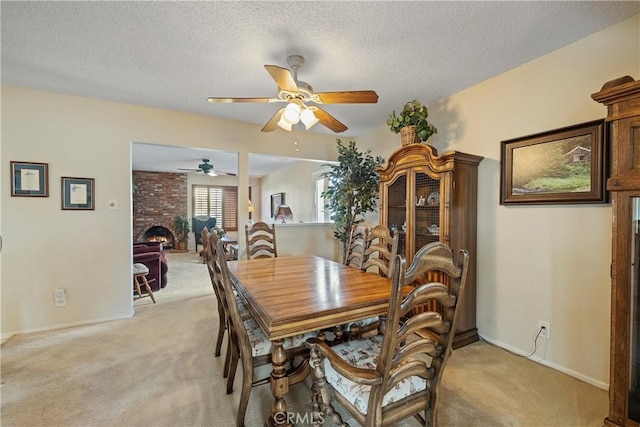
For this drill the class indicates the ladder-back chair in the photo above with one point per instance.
(383, 379)
(355, 246)
(261, 240)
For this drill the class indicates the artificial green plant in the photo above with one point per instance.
(413, 113)
(353, 188)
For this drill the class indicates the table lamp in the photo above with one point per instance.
(250, 209)
(284, 213)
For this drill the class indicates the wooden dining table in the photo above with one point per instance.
(297, 294)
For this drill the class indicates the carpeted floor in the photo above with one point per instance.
(158, 369)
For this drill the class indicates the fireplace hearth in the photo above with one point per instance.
(158, 198)
(158, 233)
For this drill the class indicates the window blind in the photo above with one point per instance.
(219, 202)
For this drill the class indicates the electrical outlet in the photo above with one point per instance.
(60, 298)
(545, 329)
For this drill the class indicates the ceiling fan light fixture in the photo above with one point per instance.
(284, 124)
(211, 173)
(291, 114)
(308, 118)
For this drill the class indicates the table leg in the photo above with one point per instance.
(279, 386)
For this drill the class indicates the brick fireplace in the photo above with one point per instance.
(160, 196)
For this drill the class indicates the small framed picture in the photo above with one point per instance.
(29, 179)
(78, 193)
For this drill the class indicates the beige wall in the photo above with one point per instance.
(547, 263)
(88, 253)
(534, 263)
(299, 192)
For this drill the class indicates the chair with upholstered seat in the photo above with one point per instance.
(248, 343)
(355, 246)
(209, 240)
(383, 379)
(211, 247)
(260, 240)
(380, 250)
(139, 272)
(197, 224)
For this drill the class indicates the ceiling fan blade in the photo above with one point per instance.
(225, 173)
(272, 124)
(189, 170)
(215, 100)
(349, 97)
(283, 78)
(329, 121)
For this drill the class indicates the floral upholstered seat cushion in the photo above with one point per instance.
(363, 353)
(242, 307)
(261, 345)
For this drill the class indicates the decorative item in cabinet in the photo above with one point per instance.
(622, 98)
(435, 198)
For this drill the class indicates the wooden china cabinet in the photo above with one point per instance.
(426, 198)
(622, 98)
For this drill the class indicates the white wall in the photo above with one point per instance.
(547, 263)
(88, 253)
(307, 238)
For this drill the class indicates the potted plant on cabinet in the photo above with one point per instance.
(412, 123)
(353, 189)
(182, 228)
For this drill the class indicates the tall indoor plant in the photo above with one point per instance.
(412, 120)
(353, 188)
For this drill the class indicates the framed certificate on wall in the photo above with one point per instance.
(29, 179)
(78, 193)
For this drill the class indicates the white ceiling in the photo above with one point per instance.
(173, 55)
(162, 158)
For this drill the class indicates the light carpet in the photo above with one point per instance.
(158, 369)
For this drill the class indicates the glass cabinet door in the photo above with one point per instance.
(634, 276)
(397, 210)
(427, 210)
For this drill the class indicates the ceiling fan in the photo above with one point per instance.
(207, 168)
(297, 94)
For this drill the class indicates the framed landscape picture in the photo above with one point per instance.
(560, 166)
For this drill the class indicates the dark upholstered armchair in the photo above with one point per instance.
(152, 255)
(197, 224)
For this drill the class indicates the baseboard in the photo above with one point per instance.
(5, 336)
(465, 337)
(564, 370)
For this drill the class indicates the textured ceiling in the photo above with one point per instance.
(173, 55)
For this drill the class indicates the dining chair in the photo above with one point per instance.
(209, 241)
(383, 379)
(223, 312)
(261, 240)
(248, 343)
(356, 240)
(380, 250)
(204, 241)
